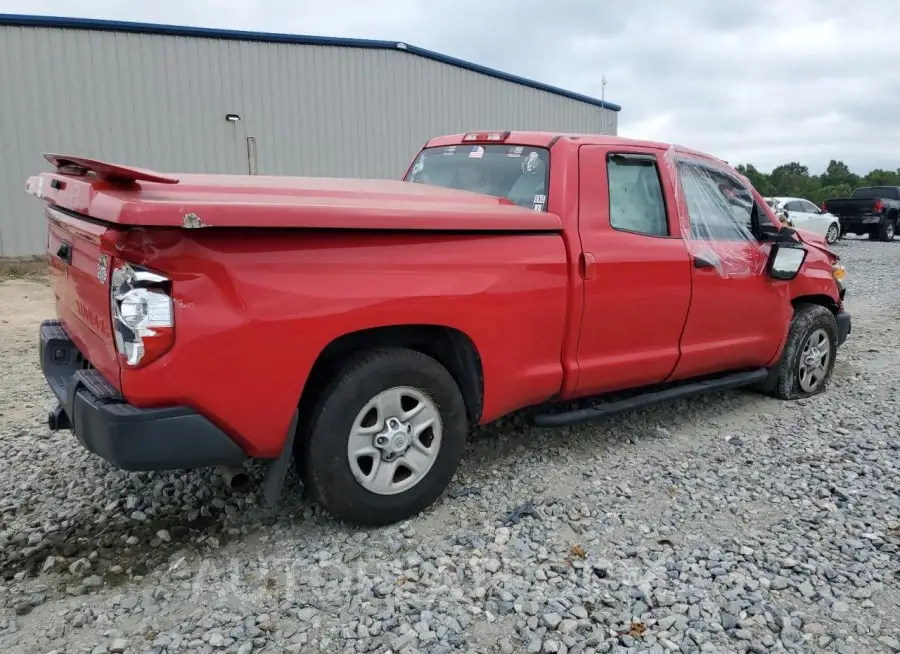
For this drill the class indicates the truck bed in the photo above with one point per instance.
(136, 197)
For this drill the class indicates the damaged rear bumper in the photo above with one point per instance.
(131, 438)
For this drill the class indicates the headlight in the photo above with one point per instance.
(839, 273)
(142, 314)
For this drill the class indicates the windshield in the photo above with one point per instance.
(875, 192)
(517, 173)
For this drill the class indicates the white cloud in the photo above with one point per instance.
(756, 81)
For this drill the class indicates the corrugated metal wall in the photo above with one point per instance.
(160, 102)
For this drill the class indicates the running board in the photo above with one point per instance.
(680, 392)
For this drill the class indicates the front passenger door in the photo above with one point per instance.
(738, 314)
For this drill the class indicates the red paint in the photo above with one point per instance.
(291, 202)
(557, 304)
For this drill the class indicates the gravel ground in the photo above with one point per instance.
(730, 523)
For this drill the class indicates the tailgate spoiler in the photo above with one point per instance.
(108, 172)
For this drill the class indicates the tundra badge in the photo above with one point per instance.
(102, 268)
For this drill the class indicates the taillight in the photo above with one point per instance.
(142, 314)
(824, 210)
(879, 206)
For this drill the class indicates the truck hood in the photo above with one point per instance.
(815, 241)
(130, 196)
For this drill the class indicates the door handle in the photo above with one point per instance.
(700, 262)
(586, 265)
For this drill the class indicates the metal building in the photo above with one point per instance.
(185, 99)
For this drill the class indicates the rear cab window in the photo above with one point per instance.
(518, 173)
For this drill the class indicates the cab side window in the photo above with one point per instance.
(719, 207)
(636, 200)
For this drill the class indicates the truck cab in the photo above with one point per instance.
(671, 275)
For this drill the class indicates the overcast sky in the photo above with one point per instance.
(755, 81)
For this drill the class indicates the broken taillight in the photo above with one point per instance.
(142, 314)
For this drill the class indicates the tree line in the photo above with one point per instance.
(793, 180)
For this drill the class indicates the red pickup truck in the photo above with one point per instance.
(360, 326)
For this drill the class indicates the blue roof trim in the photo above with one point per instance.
(19, 20)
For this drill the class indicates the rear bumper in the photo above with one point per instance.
(844, 326)
(131, 438)
(867, 221)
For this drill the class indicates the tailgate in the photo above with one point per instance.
(79, 275)
(850, 207)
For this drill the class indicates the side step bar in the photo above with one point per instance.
(651, 398)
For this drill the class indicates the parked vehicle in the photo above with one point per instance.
(803, 214)
(872, 210)
(779, 212)
(361, 326)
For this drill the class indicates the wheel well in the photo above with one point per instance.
(450, 347)
(821, 300)
(892, 215)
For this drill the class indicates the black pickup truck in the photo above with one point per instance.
(872, 210)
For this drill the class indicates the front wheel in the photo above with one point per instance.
(386, 437)
(833, 233)
(808, 359)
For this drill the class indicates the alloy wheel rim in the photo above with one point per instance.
(814, 359)
(394, 441)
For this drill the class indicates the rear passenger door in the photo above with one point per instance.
(636, 270)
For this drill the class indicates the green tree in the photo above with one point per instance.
(794, 179)
(759, 179)
(837, 173)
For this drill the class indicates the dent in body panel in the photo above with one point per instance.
(81, 294)
(264, 304)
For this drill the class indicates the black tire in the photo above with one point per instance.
(323, 450)
(887, 230)
(833, 234)
(784, 377)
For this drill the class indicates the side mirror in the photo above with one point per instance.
(785, 260)
(768, 231)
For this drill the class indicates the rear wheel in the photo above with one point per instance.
(886, 229)
(386, 437)
(807, 362)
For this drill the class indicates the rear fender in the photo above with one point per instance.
(254, 309)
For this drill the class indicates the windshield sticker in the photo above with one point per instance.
(539, 202)
(449, 150)
(477, 152)
(515, 152)
(531, 163)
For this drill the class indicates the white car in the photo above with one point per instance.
(803, 214)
